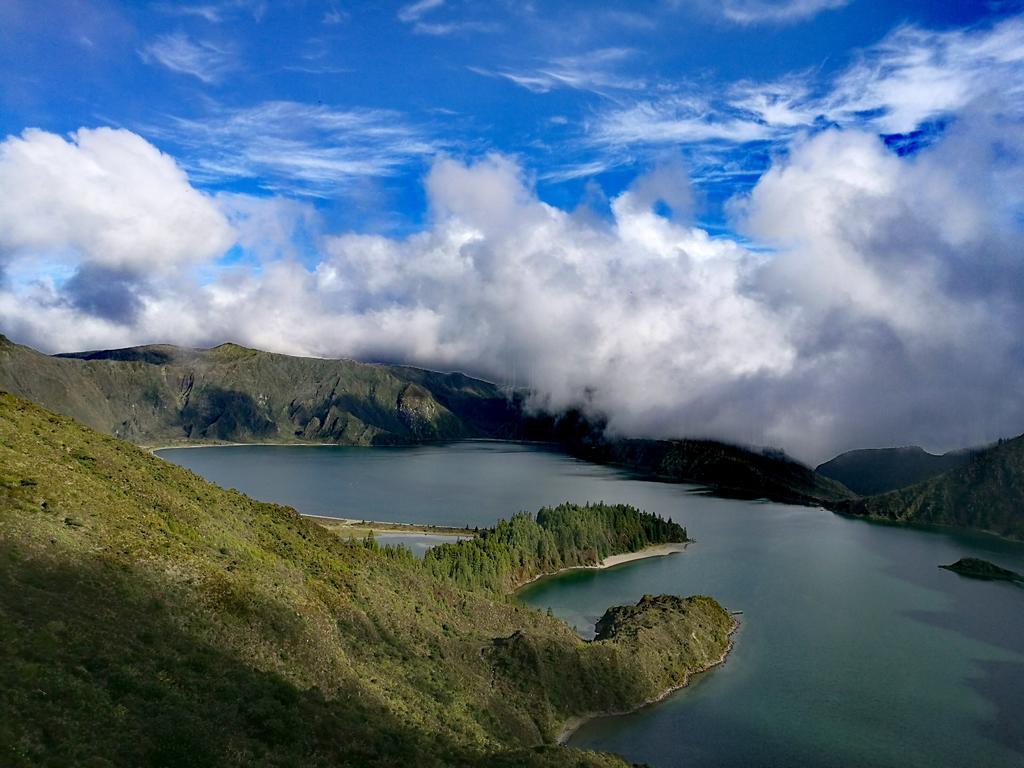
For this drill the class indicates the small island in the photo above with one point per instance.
(976, 568)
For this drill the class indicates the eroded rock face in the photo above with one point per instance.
(418, 410)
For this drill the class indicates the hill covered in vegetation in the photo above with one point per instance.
(518, 550)
(727, 470)
(162, 394)
(879, 470)
(986, 493)
(148, 617)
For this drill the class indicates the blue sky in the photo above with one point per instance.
(347, 103)
(796, 223)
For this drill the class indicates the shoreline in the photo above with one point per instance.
(575, 722)
(655, 550)
(302, 444)
(348, 525)
(154, 448)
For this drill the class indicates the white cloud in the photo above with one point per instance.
(680, 119)
(911, 77)
(886, 311)
(775, 11)
(915, 75)
(216, 12)
(442, 29)
(414, 14)
(211, 13)
(204, 60)
(414, 11)
(334, 16)
(594, 71)
(303, 148)
(899, 276)
(105, 196)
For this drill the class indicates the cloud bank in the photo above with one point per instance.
(882, 310)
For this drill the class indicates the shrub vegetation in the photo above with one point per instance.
(148, 617)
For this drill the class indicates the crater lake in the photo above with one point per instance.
(854, 647)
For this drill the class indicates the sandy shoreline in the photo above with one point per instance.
(154, 448)
(573, 723)
(656, 550)
(301, 444)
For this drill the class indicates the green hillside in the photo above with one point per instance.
(879, 470)
(986, 493)
(148, 617)
(161, 393)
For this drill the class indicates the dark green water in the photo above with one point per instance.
(855, 648)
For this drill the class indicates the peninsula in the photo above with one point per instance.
(154, 618)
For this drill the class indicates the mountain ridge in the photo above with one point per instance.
(870, 471)
(161, 394)
(164, 393)
(985, 493)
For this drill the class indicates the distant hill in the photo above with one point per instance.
(878, 470)
(986, 492)
(162, 394)
(728, 470)
(148, 617)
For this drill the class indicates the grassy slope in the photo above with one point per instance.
(880, 470)
(163, 393)
(150, 618)
(986, 493)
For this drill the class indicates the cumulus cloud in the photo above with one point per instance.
(883, 309)
(106, 197)
(900, 278)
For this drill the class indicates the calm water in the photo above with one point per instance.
(855, 649)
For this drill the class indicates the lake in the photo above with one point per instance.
(855, 649)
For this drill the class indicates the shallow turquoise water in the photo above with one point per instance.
(854, 649)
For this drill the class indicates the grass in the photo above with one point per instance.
(148, 617)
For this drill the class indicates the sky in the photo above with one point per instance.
(790, 223)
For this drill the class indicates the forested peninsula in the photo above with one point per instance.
(152, 618)
(523, 548)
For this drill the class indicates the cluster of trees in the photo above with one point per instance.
(569, 535)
